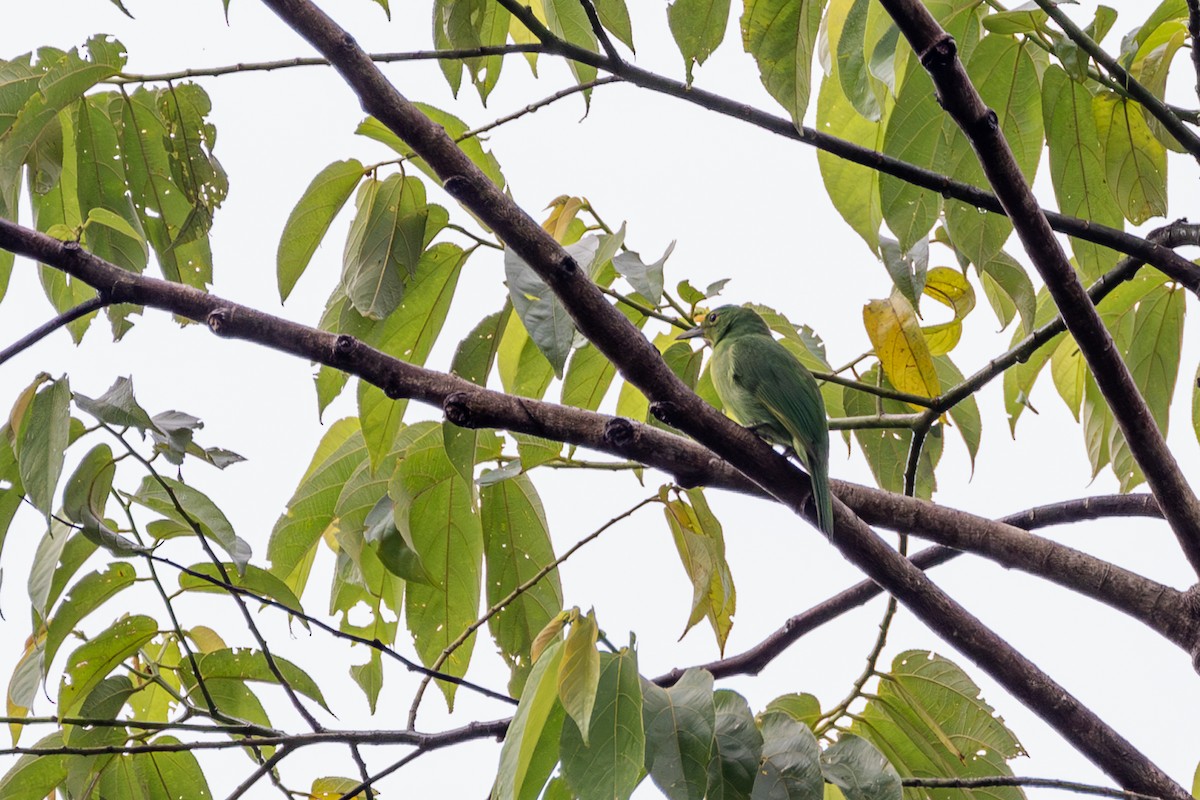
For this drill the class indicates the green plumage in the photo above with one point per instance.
(766, 389)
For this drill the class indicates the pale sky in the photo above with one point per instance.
(741, 204)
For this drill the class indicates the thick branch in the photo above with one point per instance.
(640, 363)
(689, 463)
(958, 96)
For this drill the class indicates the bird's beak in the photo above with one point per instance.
(693, 333)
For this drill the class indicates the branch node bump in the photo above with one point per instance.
(457, 409)
(217, 319)
(394, 391)
(568, 265)
(458, 186)
(665, 411)
(619, 432)
(72, 247)
(344, 344)
(940, 54)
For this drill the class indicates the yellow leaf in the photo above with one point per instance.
(950, 288)
(563, 210)
(206, 639)
(901, 346)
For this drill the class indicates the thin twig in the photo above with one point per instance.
(514, 594)
(44, 330)
(872, 389)
(265, 767)
(367, 783)
(288, 63)
(1013, 780)
(598, 29)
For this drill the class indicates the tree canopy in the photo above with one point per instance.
(158, 660)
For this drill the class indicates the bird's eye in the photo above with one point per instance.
(712, 317)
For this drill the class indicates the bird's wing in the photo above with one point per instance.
(781, 383)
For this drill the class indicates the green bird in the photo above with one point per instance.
(766, 388)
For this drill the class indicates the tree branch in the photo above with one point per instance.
(1193, 7)
(675, 403)
(44, 330)
(754, 660)
(1012, 780)
(958, 96)
(687, 462)
(288, 63)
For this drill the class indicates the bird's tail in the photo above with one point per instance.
(818, 471)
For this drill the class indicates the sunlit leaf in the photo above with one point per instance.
(579, 674)
(309, 221)
(900, 346)
(1135, 163)
(530, 747)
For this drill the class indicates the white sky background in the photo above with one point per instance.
(741, 204)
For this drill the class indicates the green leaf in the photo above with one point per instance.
(917, 132)
(253, 665)
(1077, 169)
(579, 674)
(680, 725)
(190, 137)
(790, 768)
(455, 128)
(701, 545)
(153, 494)
(698, 27)
(855, 40)
(543, 315)
(92, 661)
(856, 766)
(782, 36)
(1069, 370)
(473, 361)
(310, 510)
(608, 767)
(646, 279)
(1009, 290)
(516, 547)
(1135, 163)
(1020, 378)
(853, 188)
(175, 221)
(309, 221)
(85, 496)
(439, 509)
(254, 579)
(165, 776)
(103, 192)
(369, 677)
(88, 594)
(42, 443)
(614, 16)
(67, 77)
(588, 377)
(530, 747)
(965, 414)
(804, 708)
(907, 269)
(385, 243)
(409, 334)
(928, 719)
(116, 407)
(887, 451)
(1003, 70)
(567, 20)
(737, 748)
(34, 777)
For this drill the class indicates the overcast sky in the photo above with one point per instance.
(740, 204)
